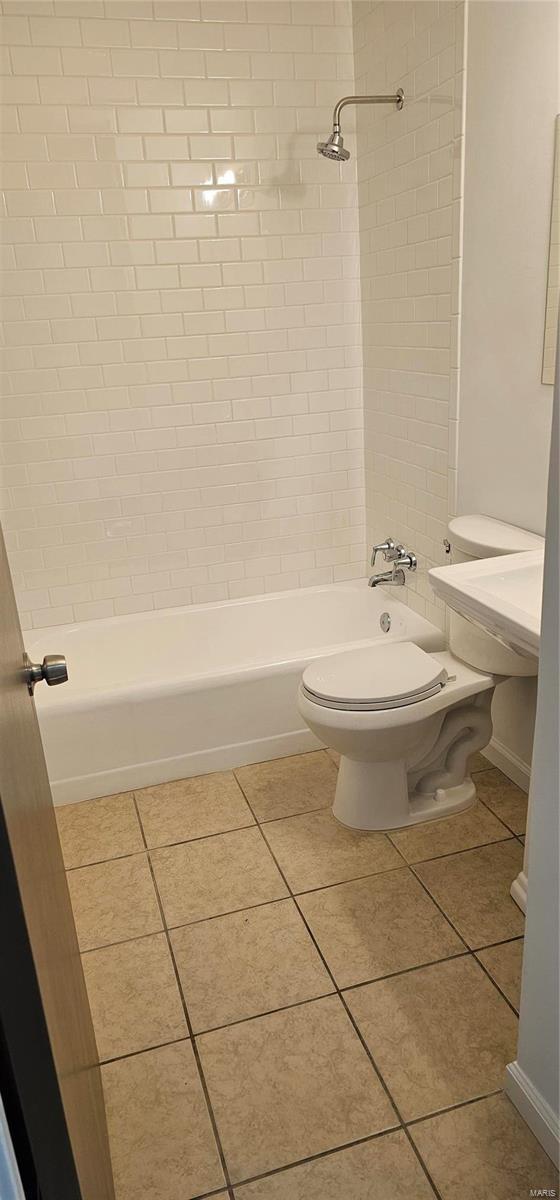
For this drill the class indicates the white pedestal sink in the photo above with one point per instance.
(504, 597)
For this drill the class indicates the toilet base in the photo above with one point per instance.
(375, 796)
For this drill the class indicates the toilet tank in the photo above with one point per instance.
(474, 537)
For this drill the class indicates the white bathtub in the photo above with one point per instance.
(184, 691)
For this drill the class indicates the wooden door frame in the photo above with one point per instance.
(29, 1082)
(51, 1062)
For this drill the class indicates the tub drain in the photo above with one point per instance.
(385, 622)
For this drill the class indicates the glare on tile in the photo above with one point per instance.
(215, 199)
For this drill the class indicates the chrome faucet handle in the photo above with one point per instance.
(387, 548)
(405, 558)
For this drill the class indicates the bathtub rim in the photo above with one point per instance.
(91, 697)
(162, 756)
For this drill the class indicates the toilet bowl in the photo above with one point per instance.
(406, 722)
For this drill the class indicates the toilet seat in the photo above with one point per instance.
(386, 676)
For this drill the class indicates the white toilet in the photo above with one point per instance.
(405, 722)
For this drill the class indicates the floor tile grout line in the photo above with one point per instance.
(104, 1062)
(509, 1003)
(353, 1023)
(443, 912)
(388, 833)
(498, 770)
(271, 1012)
(346, 987)
(471, 949)
(502, 819)
(238, 828)
(300, 1162)
(101, 862)
(423, 1165)
(336, 990)
(134, 793)
(420, 862)
(416, 1150)
(294, 895)
(322, 1153)
(519, 937)
(203, 837)
(184, 924)
(139, 937)
(215, 1192)
(324, 887)
(220, 1191)
(432, 962)
(440, 1112)
(305, 812)
(196, 1054)
(357, 1031)
(366, 1048)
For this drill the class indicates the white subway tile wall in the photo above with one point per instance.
(181, 399)
(410, 188)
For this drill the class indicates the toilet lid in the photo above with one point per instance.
(381, 676)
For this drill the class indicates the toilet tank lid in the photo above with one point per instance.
(485, 537)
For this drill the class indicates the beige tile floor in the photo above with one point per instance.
(288, 1010)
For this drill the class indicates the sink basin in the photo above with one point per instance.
(502, 595)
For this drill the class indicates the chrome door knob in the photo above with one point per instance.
(53, 670)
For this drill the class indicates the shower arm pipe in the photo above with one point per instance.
(397, 98)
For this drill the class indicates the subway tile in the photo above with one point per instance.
(105, 32)
(201, 35)
(160, 91)
(78, 62)
(123, 252)
(135, 63)
(112, 91)
(227, 66)
(185, 64)
(153, 33)
(36, 61)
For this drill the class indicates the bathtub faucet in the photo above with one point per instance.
(399, 557)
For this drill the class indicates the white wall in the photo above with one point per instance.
(409, 173)
(532, 1081)
(505, 410)
(182, 416)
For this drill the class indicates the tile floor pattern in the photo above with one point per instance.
(312, 1013)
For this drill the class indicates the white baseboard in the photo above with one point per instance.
(534, 1109)
(508, 762)
(163, 770)
(518, 891)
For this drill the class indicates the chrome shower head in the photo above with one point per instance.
(334, 147)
